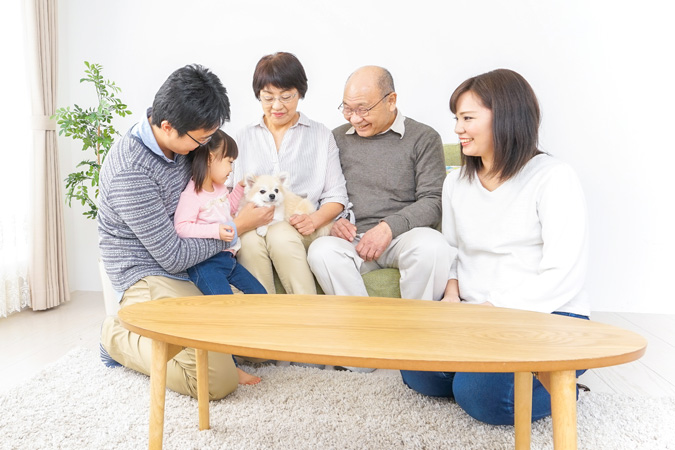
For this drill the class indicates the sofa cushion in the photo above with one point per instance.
(453, 155)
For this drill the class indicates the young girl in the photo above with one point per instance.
(205, 210)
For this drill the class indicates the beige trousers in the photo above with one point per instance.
(135, 351)
(284, 249)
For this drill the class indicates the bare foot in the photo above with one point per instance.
(247, 378)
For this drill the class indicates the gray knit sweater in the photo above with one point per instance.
(393, 179)
(139, 192)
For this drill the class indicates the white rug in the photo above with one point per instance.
(77, 403)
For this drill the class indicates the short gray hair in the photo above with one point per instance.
(386, 82)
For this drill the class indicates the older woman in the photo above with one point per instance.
(285, 140)
(517, 217)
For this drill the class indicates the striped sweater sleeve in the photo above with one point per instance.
(137, 200)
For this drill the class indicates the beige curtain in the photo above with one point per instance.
(48, 271)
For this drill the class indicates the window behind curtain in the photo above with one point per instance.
(16, 139)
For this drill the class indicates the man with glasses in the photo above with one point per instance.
(394, 168)
(141, 181)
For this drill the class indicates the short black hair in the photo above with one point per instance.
(515, 120)
(220, 146)
(192, 98)
(281, 70)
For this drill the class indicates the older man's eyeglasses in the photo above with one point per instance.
(286, 98)
(361, 111)
(200, 143)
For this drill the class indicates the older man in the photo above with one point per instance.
(394, 168)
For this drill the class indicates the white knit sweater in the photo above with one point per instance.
(523, 245)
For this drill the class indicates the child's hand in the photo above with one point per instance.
(242, 183)
(226, 233)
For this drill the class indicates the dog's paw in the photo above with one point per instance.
(261, 231)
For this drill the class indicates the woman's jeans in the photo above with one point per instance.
(215, 275)
(488, 397)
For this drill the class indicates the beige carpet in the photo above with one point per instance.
(77, 403)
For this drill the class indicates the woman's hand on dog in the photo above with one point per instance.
(251, 217)
(343, 229)
(303, 223)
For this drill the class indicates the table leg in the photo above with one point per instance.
(161, 353)
(523, 409)
(564, 409)
(203, 388)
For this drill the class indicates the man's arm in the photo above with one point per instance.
(143, 211)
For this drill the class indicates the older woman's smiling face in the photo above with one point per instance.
(279, 105)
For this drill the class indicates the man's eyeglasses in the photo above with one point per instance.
(268, 99)
(361, 111)
(204, 142)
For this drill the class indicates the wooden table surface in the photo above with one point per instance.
(384, 333)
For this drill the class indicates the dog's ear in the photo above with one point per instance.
(284, 178)
(250, 179)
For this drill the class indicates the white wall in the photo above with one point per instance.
(599, 68)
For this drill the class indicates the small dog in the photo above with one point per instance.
(272, 190)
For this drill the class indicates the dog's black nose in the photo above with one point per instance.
(272, 196)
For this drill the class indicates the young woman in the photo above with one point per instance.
(517, 217)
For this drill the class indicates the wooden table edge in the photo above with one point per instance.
(392, 363)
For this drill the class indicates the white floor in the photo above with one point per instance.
(30, 340)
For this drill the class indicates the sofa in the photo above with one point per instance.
(385, 282)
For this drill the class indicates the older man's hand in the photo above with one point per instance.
(343, 229)
(374, 242)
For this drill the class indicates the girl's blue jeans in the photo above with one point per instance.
(215, 275)
(488, 397)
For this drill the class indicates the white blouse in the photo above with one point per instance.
(308, 153)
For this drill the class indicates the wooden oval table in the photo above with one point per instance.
(384, 333)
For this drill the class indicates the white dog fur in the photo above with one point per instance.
(273, 190)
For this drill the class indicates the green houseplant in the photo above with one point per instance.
(93, 126)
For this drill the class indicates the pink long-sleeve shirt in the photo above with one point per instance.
(199, 215)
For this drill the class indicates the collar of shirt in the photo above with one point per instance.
(143, 131)
(303, 120)
(397, 127)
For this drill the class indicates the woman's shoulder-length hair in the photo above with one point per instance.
(515, 120)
